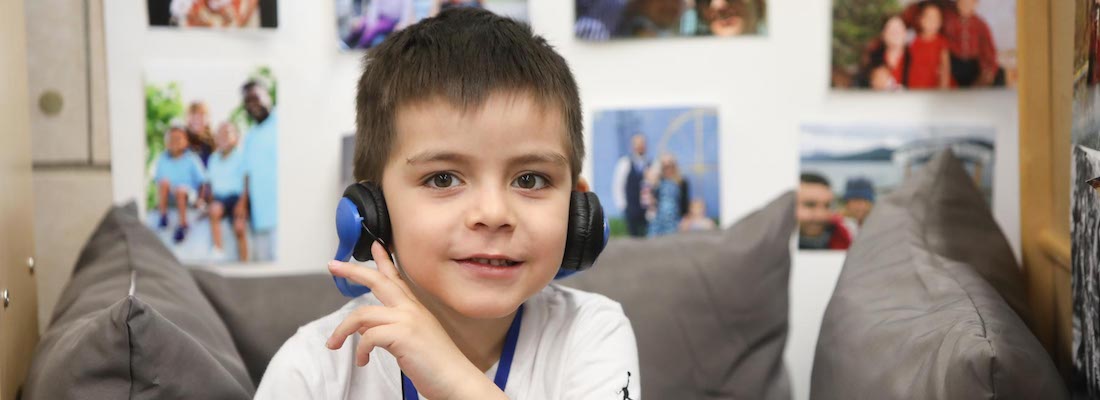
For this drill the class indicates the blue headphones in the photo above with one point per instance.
(362, 219)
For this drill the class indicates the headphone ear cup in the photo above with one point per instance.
(367, 197)
(585, 238)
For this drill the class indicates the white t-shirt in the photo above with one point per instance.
(572, 345)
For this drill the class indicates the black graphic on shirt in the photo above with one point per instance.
(626, 388)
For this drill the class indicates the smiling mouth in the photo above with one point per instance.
(492, 262)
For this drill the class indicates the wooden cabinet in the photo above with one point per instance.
(18, 309)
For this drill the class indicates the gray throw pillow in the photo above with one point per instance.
(262, 312)
(132, 324)
(929, 303)
(709, 310)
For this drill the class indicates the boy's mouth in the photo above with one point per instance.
(490, 261)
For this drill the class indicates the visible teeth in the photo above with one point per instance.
(493, 262)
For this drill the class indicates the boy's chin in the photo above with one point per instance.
(486, 304)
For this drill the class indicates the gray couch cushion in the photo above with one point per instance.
(132, 324)
(262, 312)
(709, 310)
(925, 305)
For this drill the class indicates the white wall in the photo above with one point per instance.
(764, 87)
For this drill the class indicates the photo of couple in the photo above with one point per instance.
(656, 170)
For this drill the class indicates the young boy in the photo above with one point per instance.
(226, 176)
(472, 127)
(179, 176)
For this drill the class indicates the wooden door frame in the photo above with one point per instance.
(1045, 54)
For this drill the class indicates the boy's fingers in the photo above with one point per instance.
(386, 267)
(363, 318)
(380, 336)
(383, 287)
(382, 259)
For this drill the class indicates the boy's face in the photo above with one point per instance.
(858, 208)
(493, 182)
(177, 142)
(226, 138)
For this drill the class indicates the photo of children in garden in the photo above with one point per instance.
(892, 45)
(362, 24)
(211, 138)
(598, 20)
(656, 170)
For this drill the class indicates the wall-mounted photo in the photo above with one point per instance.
(362, 24)
(891, 45)
(1085, 200)
(219, 14)
(845, 168)
(211, 136)
(656, 171)
(599, 20)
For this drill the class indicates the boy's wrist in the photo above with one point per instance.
(473, 384)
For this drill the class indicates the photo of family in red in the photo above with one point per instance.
(925, 45)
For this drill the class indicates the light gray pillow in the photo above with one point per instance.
(927, 304)
(709, 310)
(132, 324)
(262, 312)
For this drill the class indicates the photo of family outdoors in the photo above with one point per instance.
(891, 45)
(362, 24)
(656, 170)
(223, 14)
(211, 139)
(846, 167)
(598, 20)
(1085, 200)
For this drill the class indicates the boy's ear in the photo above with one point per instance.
(582, 185)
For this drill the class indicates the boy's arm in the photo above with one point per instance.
(603, 358)
(406, 329)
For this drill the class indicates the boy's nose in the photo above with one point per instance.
(491, 210)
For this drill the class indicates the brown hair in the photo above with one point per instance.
(462, 56)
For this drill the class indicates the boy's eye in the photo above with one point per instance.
(442, 180)
(530, 181)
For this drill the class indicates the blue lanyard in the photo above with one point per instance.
(503, 367)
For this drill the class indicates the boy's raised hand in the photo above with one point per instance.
(405, 328)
